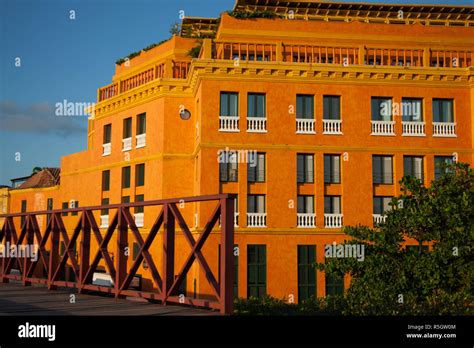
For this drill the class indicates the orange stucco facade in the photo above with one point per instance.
(180, 156)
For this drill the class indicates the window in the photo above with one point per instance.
(65, 205)
(332, 169)
(105, 211)
(305, 204)
(332, 204)
(49, 203)
(305, 168)
(256, 105)
(125, 199)
(440, 163)
(229, 104)
(140, 174)
(74, 204)
(412, 110)
(127, 128)
(125, 177)
(236, 269)
(141, 124)
(334, 285)
(331, 107)
(382, 169)
(139, 198)
(256, 204)
(256, 167)
(106, 180)
(49, 207)
(228, 167)
(304, 106)
(23, 210)
(306, 272)
(381, 204)
(413, 166)
(107, 134)
(136, 249)
(443, 110)
(381, 109)
(256, 270)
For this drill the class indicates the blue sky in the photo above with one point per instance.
(68, 59)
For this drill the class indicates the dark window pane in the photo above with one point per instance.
(141, 124)
(412, 110)
(125, 177)
(106, 180)
(105, 201)
(334, 285)
(127, 128)
(140, 174)
(306, 272)
(107, 133)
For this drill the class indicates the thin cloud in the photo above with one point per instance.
(38, 118)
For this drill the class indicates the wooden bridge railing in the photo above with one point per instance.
(84, 266)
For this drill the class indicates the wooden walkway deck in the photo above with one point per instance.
(16, 299)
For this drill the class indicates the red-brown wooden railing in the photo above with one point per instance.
(167, 285)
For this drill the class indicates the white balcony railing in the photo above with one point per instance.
(126, 144)
(140, 140)
(256, 219)
(383, 127)
(333, 220)
(256, 124)
(139, 218)
(415, 129)
(229, 124)
(305, 126)
(332, 126)
(236, 220)
(444, 129)
(378, 218)
(107, 149)
(104, 221)
(306, 219)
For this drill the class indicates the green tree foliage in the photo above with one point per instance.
(393, 280)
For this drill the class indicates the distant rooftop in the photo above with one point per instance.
(387, 13)
(47, 177)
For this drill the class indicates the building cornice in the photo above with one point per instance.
(287, 73)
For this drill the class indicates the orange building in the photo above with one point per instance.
(310, 116)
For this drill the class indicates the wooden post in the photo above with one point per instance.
(54, 255)
(121, 260)
(168, 250)
(85, 249)
(227, 256)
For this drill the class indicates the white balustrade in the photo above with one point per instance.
(126, 144)
(416, 129)
(383, 127)
(104, 221)
(140, 140)
(306, 220)
(139, 218)
(229, 123)
(256, 219)
(256, 124)
(378, 218)
(333, 220)
(107, 149)
(305, 126)
(332, 126)
(444, 129)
